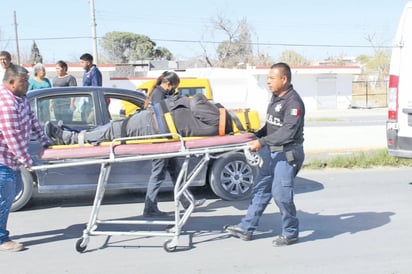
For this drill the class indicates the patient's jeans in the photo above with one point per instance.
(7, 194)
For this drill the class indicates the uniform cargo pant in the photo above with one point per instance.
(275, 179)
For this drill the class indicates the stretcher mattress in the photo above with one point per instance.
(135, 148)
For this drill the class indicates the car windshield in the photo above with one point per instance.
(183, 91)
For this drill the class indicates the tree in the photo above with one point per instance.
(377, 64)
(293, 58)
(127, 47)
(35, 56)
(162, 53)
(237, 49)
(263, 59)
(339, 60)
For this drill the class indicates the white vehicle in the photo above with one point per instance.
(399, 123)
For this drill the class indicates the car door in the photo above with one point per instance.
(90, 109)
(127, 174)
(74, 110)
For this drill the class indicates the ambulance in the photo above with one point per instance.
(399, 121)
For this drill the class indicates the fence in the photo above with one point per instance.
(369, 94)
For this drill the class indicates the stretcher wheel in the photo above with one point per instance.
(253, 158)
(168, 247)
(79, 247)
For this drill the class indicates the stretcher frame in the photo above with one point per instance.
(185, 178)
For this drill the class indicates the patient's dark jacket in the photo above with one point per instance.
(194, 116)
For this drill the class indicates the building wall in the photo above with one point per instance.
(319, 87)
(312, 89)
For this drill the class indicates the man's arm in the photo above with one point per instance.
(96, 77)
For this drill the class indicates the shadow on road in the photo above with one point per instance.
(313, 226)
(317, 226)
(43, 237)
(200, 229)
(303, 185)
(206, 223)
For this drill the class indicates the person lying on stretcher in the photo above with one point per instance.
(186, 116)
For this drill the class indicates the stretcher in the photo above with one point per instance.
(147, 148)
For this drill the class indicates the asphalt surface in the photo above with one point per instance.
(352, 221)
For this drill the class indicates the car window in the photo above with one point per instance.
(121, 108)
(73, 111)
(191, 91)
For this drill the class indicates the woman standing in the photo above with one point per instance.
(63, 79)
(39, 81)
(63, 108)
(164, 87)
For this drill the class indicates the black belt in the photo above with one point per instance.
(283, 147)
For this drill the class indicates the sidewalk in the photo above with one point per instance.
(334, 132)
(348, 114)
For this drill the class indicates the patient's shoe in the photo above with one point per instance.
(54, 133)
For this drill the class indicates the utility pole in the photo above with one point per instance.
(94, 38)
(17, 38)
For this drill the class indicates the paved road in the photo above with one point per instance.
(352, 221)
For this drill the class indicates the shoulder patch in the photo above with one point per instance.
(295, 112)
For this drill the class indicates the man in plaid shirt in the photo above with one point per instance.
(17, 121)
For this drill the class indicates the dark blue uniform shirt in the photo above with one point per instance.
(284, 120)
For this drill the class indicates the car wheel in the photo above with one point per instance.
(24, 195)
(231, 177)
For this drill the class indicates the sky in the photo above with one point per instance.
(316, 29)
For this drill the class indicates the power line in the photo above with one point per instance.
(214, 42)
(51, 38)
(277, 44)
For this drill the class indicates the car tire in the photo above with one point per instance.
(24, 196)
(231, 177)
